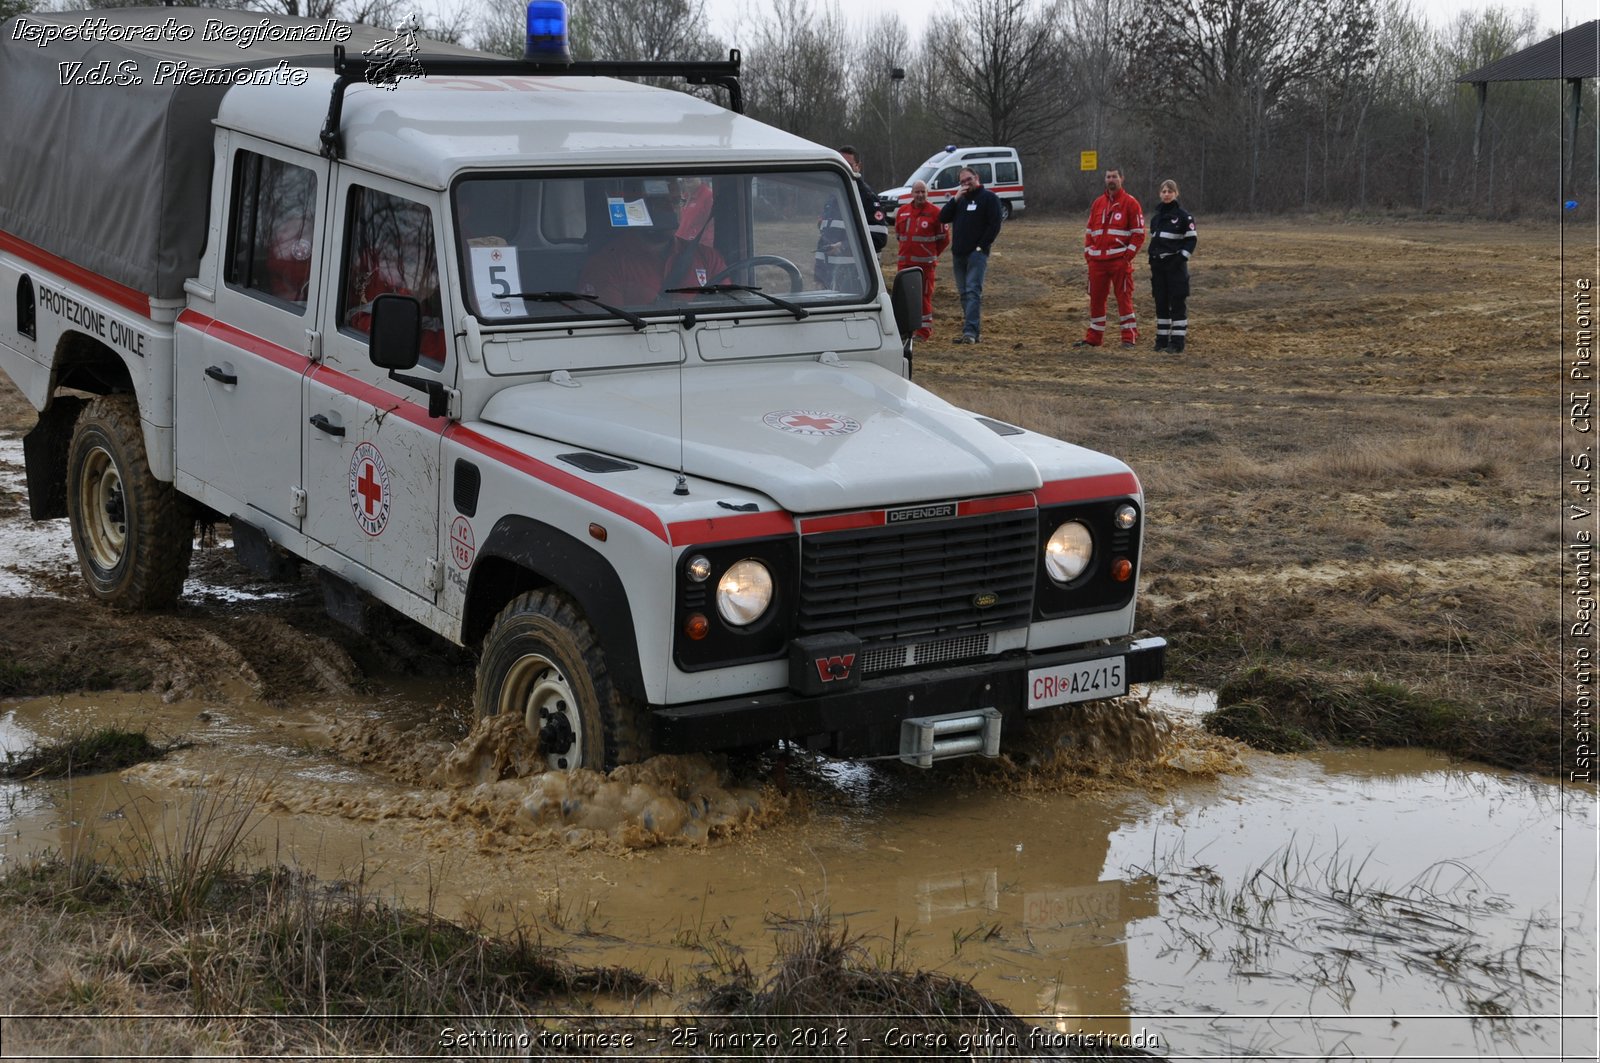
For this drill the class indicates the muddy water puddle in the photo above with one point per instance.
(1206, 901)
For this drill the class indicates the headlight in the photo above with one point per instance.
(744, 592)
(1126, 517)
(1067, 553)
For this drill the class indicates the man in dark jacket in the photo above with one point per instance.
(973, 215)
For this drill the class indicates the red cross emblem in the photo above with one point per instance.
(811, 422)
(369, 489)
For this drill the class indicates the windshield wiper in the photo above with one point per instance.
(800, 313)
(631, 318)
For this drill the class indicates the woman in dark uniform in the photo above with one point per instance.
(1172, 240)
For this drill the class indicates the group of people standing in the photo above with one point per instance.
(1111, 242)
(970, 223)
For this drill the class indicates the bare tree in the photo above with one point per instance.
(795, 74)
(644, 29)
(998, 68)
(1233, 65)
(880, 115)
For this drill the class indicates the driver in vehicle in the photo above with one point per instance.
(644, 255)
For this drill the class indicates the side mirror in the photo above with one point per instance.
(906, 297)
(395, 340)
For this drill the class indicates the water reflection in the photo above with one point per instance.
(1368, 904)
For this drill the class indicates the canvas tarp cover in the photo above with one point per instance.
(116, 178)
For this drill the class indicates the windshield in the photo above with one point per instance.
(925, 173)
(629, 246)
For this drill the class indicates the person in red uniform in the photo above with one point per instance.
(923, 238)
(636, 264)
(1111, 243)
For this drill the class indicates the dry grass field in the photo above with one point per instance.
(1352, 473)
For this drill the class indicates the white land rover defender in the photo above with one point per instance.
(555, 364)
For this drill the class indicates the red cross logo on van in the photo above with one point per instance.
(369, 489)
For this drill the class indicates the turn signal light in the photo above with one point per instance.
(697, 626)
(1121, 569)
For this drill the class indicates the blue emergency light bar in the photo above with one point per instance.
(547, 32)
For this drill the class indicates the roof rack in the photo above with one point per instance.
(347, 72)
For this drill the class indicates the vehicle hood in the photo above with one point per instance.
(812, 436)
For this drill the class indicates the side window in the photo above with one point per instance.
(389, 248)
(1005, 173)
(272, 233)
(25, 309)
(984, 171)
(948, 177)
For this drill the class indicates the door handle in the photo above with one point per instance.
(217, 373)
(322, 424)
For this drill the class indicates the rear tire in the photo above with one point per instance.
(541, 660)
(133, 534)
(1005, 209)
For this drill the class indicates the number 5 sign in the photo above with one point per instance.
(495, 282)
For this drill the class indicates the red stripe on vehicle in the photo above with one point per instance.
(124, 296)
(1005, 503)
(843, 522)
(1089, 487)
(724, 529)
(377, 397)
(245, 341)
(391, 403)
(560, 479)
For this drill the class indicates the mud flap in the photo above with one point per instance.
(261, 555)
(926, 739)
(44, 457)
(345, 602)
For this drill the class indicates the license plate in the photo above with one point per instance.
(1063, 684)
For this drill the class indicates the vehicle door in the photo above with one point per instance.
(371, 451)
(240, 360)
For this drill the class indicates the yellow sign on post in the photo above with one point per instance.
(1088, 160)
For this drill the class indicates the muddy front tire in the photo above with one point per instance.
(133, 533)
(542, 662)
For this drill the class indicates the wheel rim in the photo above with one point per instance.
(104, 508)
(538, 691)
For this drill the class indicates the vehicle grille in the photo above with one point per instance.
(920, 585)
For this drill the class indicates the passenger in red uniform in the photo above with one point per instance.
(636, 264)
(922, 239)
(1111, 243)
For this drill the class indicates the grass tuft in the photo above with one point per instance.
(89, 751)
(1290, 708)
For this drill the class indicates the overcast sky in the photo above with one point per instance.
(1552, 14)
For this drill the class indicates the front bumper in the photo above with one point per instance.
(866, 720)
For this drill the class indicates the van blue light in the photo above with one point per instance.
(547, 32)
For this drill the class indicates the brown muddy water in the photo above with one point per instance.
(1211, 902)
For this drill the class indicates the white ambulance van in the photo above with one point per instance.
(1000, 169)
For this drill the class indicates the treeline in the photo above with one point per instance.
(1251, 105)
